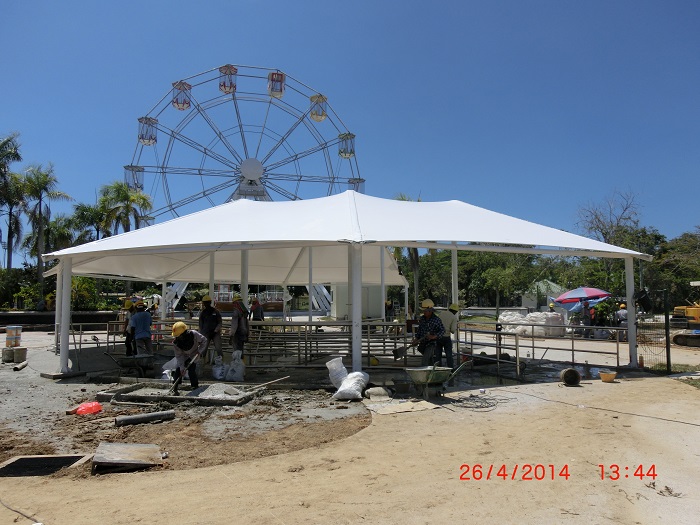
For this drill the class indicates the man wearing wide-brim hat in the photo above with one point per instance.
(430, 329)
(140, 325)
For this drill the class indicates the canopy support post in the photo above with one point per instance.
(631, 311)
(66, 274)
(382, 284)
(59, 306)
(244, 277)
(212, 265)
(311, 283)
(356, 304)
(455, 281)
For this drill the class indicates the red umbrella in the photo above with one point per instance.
(581, 294)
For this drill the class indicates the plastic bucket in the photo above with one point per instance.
(8, 355)
(20, 354)
(570, 377)
(13, 331)
(12, 340)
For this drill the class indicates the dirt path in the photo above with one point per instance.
(405, 468)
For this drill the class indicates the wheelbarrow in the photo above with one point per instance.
(429, 379)
(134, 363)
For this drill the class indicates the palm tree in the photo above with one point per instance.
(58, 234)
(9, 153)
(12, 194)
(40, 189)
(88, 217)
(123, 203)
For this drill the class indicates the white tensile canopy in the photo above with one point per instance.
(335, 239)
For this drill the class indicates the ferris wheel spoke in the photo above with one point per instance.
(174, 135)
(195, 197)
(284, 138)
(302, 154)
(240, 125)
(216, 130)
(294, 177)
(281, 191)
(196, 172)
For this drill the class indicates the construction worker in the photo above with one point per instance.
(621, 320)
(140, 325)
(210, 323)
(428, 332)
(551, 307)
(129, 342)
(239, 324)
(449, 318)
(188, 344)
(256, 311)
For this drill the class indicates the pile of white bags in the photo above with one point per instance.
(545, 319)
(350, 386)
(336, 371)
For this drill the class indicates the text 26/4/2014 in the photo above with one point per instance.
(524, 472)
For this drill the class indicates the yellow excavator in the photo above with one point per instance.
(686, 319)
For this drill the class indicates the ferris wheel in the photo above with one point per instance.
(240, 132)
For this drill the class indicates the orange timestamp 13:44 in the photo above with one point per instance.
(623, 472)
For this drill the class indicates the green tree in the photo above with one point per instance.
(677, 264)
(41, 188)
(9, 153)
(90, 221)
(123, 204)
(12, 198)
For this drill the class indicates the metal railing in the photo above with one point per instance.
(536, 341)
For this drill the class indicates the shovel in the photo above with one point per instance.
(177, 382)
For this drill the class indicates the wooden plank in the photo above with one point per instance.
(127, 454)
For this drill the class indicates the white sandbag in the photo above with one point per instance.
(170, 365)
(236, 371)
(218, 370)
(336, 371)
(352, 386)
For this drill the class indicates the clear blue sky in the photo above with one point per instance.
(529, 108)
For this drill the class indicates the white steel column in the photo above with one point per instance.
(311, 283)
(212, 257)
(356, 305)
(67, 264)
(631, 310)
(382, 283)
(244, 277)
(163, 302)
(455, 282)
(59, 305)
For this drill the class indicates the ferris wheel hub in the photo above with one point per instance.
(252, 169)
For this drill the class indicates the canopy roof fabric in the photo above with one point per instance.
(276, 233)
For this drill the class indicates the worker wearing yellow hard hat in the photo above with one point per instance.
(189, 346)
(449, 318)
(621, 321)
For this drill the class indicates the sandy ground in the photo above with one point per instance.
(412, 467)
